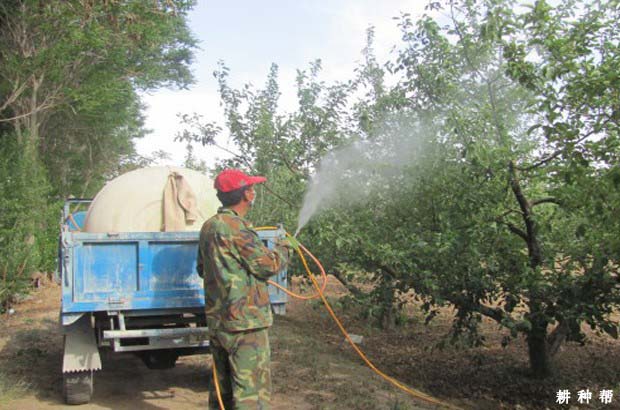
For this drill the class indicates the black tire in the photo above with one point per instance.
(77, 387)
(159, 359)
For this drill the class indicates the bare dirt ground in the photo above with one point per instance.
(308, 372)
(312, 368)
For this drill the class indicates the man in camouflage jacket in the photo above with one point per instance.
(235, 266)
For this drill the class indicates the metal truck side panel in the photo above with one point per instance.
(138, 271)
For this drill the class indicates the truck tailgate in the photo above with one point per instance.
(135, 271)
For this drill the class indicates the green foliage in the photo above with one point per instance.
(70, 110)
(191, 162)
(71, 72)
(508, 208)
(11, 389)
(514, 170)
(24, 203)
(283, 147)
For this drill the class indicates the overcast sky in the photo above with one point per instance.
(251, 35)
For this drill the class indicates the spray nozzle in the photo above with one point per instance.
(291, 242)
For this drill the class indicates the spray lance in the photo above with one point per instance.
(355, 161)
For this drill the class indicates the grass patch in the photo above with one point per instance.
(11, 387)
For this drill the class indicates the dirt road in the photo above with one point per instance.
(312, 368)
(309, 372)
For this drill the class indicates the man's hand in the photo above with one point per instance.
(287, 246)
(289, 242)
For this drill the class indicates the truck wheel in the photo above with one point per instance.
(77, 387)
(160, 360)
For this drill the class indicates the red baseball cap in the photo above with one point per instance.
(232, 179)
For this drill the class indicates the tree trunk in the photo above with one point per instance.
(355, 291)
(540, 364)
(538, 347)
(387, 321)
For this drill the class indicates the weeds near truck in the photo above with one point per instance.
(10, 388)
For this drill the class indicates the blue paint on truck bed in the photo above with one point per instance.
(138, 271)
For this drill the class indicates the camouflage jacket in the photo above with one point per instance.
(235, 266)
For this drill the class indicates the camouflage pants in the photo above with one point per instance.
(242, 361)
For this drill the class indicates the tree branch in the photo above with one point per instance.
(18, 89)
(389, 271)
(545, 201)
(510, 211)
(17, 117)
(514, 229)
(247, 162)
(500, 315)
(497, 124)
(290, 166)
(493, 313)
(516, 189)
(355, 291)
(557, 153)
(533, 246)
(557, 337)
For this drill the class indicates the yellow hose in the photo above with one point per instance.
(304, 262)
(320, 289)
(217, 388)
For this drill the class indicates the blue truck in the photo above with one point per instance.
(132, 292)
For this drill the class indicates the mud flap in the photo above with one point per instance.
(81, 352)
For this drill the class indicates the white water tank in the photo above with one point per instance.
(134, 202)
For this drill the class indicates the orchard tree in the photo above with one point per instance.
(71, 73)
(70, 110)
(510, 210)
(82, 55)
(507, 205)
(283, 146)
(576, 87)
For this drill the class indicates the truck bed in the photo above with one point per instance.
(138, 271)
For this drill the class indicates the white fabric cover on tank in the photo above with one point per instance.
(133, 202)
